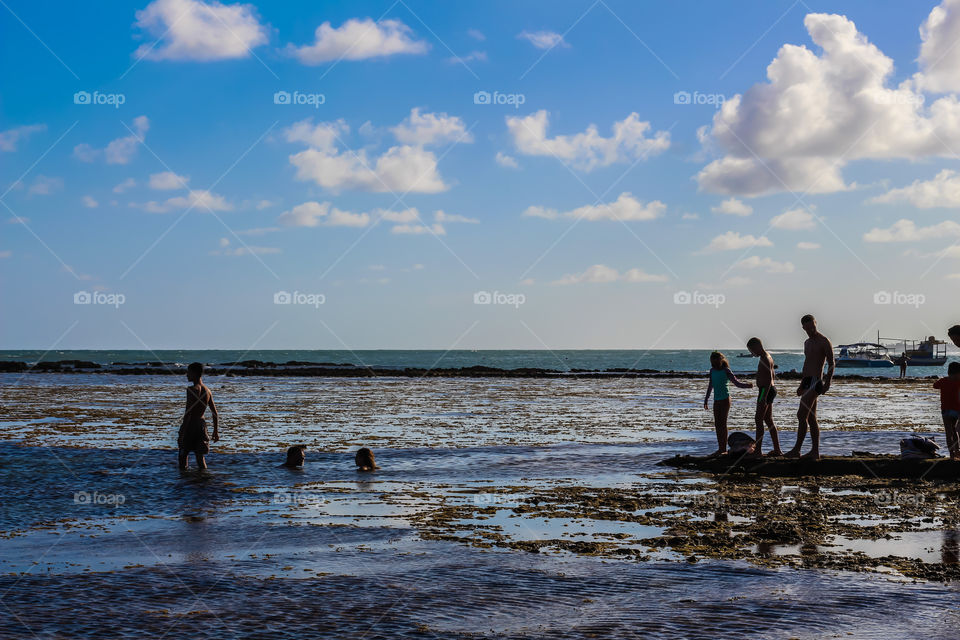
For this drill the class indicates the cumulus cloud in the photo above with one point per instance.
(808, 246)
(194, 30)
(119, 151)
(412, 224)
(196, 198)
(45, 185)
(907, 231)
(430, 128)
(767, 264)
(314, 214)
(167, 181)
(794, 220)
(400, 169)
(600, 273)
(543, 39)
(507, 161)
(11, 137)
(632, 139)
(733, 207)
(733, 241)
(625, 208)
(941, 191)
(358, 39)
(89, 202)
(816, 113)
(126, 185)
(939, 57)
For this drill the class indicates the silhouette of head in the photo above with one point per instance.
(755, 346)
(296, 456)
(809, 324)
(718, 360)
(954, 334)
(194, 371)
(954, 369)
(365, 460)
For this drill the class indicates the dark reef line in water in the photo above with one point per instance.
(296, 368)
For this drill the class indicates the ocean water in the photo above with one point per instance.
(103, 537)
(684, 360)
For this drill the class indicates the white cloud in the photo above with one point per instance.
(794, 220)
(690, 216)
(941, 191)
(89, 202)
(767, 264)
(200, 199)
(448, 218)
(587, 150)
(600, 273)
(733, 241)
(10, 137)
(430, 128)
(247, 251)
(417, 229)
(733, 207)
(167, 181)
(506, 161)
(6, 254)
(194, 30)
(543, 39)
(45, 185)
(127, 184)
(939, 57)
(400, 169)
(314, 214)
(816, 113)
(119, 151)
(625, 208)
(473, 56)
(808, 246)
(323, 136)
(907, 231)
(358, 39)
(476, 34)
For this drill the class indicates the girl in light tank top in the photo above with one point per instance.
(720, 375)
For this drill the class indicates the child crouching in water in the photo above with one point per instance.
(719, 375)
(950, 406)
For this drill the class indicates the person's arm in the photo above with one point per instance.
(186, 409)
(216, 418)
(832, 365)
(706, 398)
(732, 378)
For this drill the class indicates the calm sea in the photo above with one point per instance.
(560, 360)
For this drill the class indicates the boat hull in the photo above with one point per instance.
(865, 364)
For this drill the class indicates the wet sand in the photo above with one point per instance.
(504, 508)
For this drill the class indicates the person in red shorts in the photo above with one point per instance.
(950, 406)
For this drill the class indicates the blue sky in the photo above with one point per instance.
(595, 209)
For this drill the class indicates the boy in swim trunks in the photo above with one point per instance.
(193, 430)
(766, 393)
(817, 351)
(950, 406)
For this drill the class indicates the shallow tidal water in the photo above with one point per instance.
(96, 517)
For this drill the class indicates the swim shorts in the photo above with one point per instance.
(766, 395)
(808, 382)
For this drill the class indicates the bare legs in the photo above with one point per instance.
(184, 455)
(807, 416)
(950, 426)
(721, 409)
(763, 416)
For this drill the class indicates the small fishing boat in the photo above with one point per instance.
(867, 465)
(927, 352)
(745, 355)
(863, 355)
